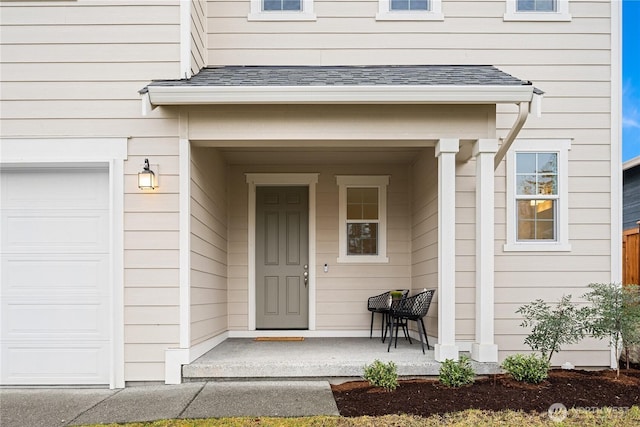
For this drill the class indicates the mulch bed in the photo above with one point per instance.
(425, 397)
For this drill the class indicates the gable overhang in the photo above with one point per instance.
(378, 94)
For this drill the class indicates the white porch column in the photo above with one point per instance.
(484, 349)
(446, 347)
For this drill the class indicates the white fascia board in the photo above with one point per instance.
(203, 95)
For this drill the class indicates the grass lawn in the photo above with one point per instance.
(469, 418)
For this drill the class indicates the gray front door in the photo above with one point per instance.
(282, 257)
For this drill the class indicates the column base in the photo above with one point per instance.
(484, 352)
(446, 351)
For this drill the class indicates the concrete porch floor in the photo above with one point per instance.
(245, 358)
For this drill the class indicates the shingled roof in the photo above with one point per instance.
(388, 75)
(390, 84)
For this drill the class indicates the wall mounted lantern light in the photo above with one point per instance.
(147, 179)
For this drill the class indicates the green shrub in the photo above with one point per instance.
(456, 374)
(614, 314)
(531, 369)
(382, 375)
(553, 327)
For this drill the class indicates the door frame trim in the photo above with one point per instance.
(284, 179)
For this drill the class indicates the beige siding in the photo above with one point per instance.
(209, 253)
(198, 35)
(424, 231)
(74, 69)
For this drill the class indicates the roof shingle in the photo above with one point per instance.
(387, 75)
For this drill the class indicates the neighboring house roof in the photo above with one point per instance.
(631, 163)
(630, 192)
(317, 84)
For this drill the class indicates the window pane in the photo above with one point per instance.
(526, 163)
(399, 4)
(547, 162)
(291, 5)
(547, 185)
(362, 238)
(369, 195)
(272, 4)
(418, 5)
(536, 219)
(525, 185)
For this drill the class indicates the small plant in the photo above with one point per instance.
(383, 375)
(396, 295)
(615, 313)
(456, 374)
(552, 327)
(530, 369)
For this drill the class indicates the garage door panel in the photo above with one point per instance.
(53, 275)
(55, 189)
(53, 232)
(54, 319)
(55, 363)
(55, 292)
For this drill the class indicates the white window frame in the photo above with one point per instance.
(367, 181)
(433, 14)
(560, 14)
(561, 147)
(257, 14)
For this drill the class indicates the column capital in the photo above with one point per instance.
(447, 145)
(485, 146)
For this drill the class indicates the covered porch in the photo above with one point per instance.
(425, 137)
(246, 358)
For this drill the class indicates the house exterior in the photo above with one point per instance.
(308, 154)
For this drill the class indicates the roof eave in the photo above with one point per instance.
(407, 94)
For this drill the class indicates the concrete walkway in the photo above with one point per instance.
(70, 407)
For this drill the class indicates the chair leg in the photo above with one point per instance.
(425, 334)
(390, 325)
(420, 332)
(383, 326)
(406, 331)
(397, 324)
(371, 328)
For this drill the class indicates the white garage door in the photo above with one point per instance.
(55, 276)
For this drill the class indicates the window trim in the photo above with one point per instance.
(561, 147)
(433, 14)
(561, 14)
(257, 14)
(380, 182)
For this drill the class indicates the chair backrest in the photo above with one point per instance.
(416, 306)
(379, 301)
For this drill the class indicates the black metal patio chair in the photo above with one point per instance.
(410, 308)
(381, 304)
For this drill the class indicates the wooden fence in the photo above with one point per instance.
(631, 256)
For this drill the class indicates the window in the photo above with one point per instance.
(281, 10)
(409, 5)
(536, 196)
(536, 5)
(537, 10)
(537, 213)
(282, 5)
(410, 10)
(363, 218)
